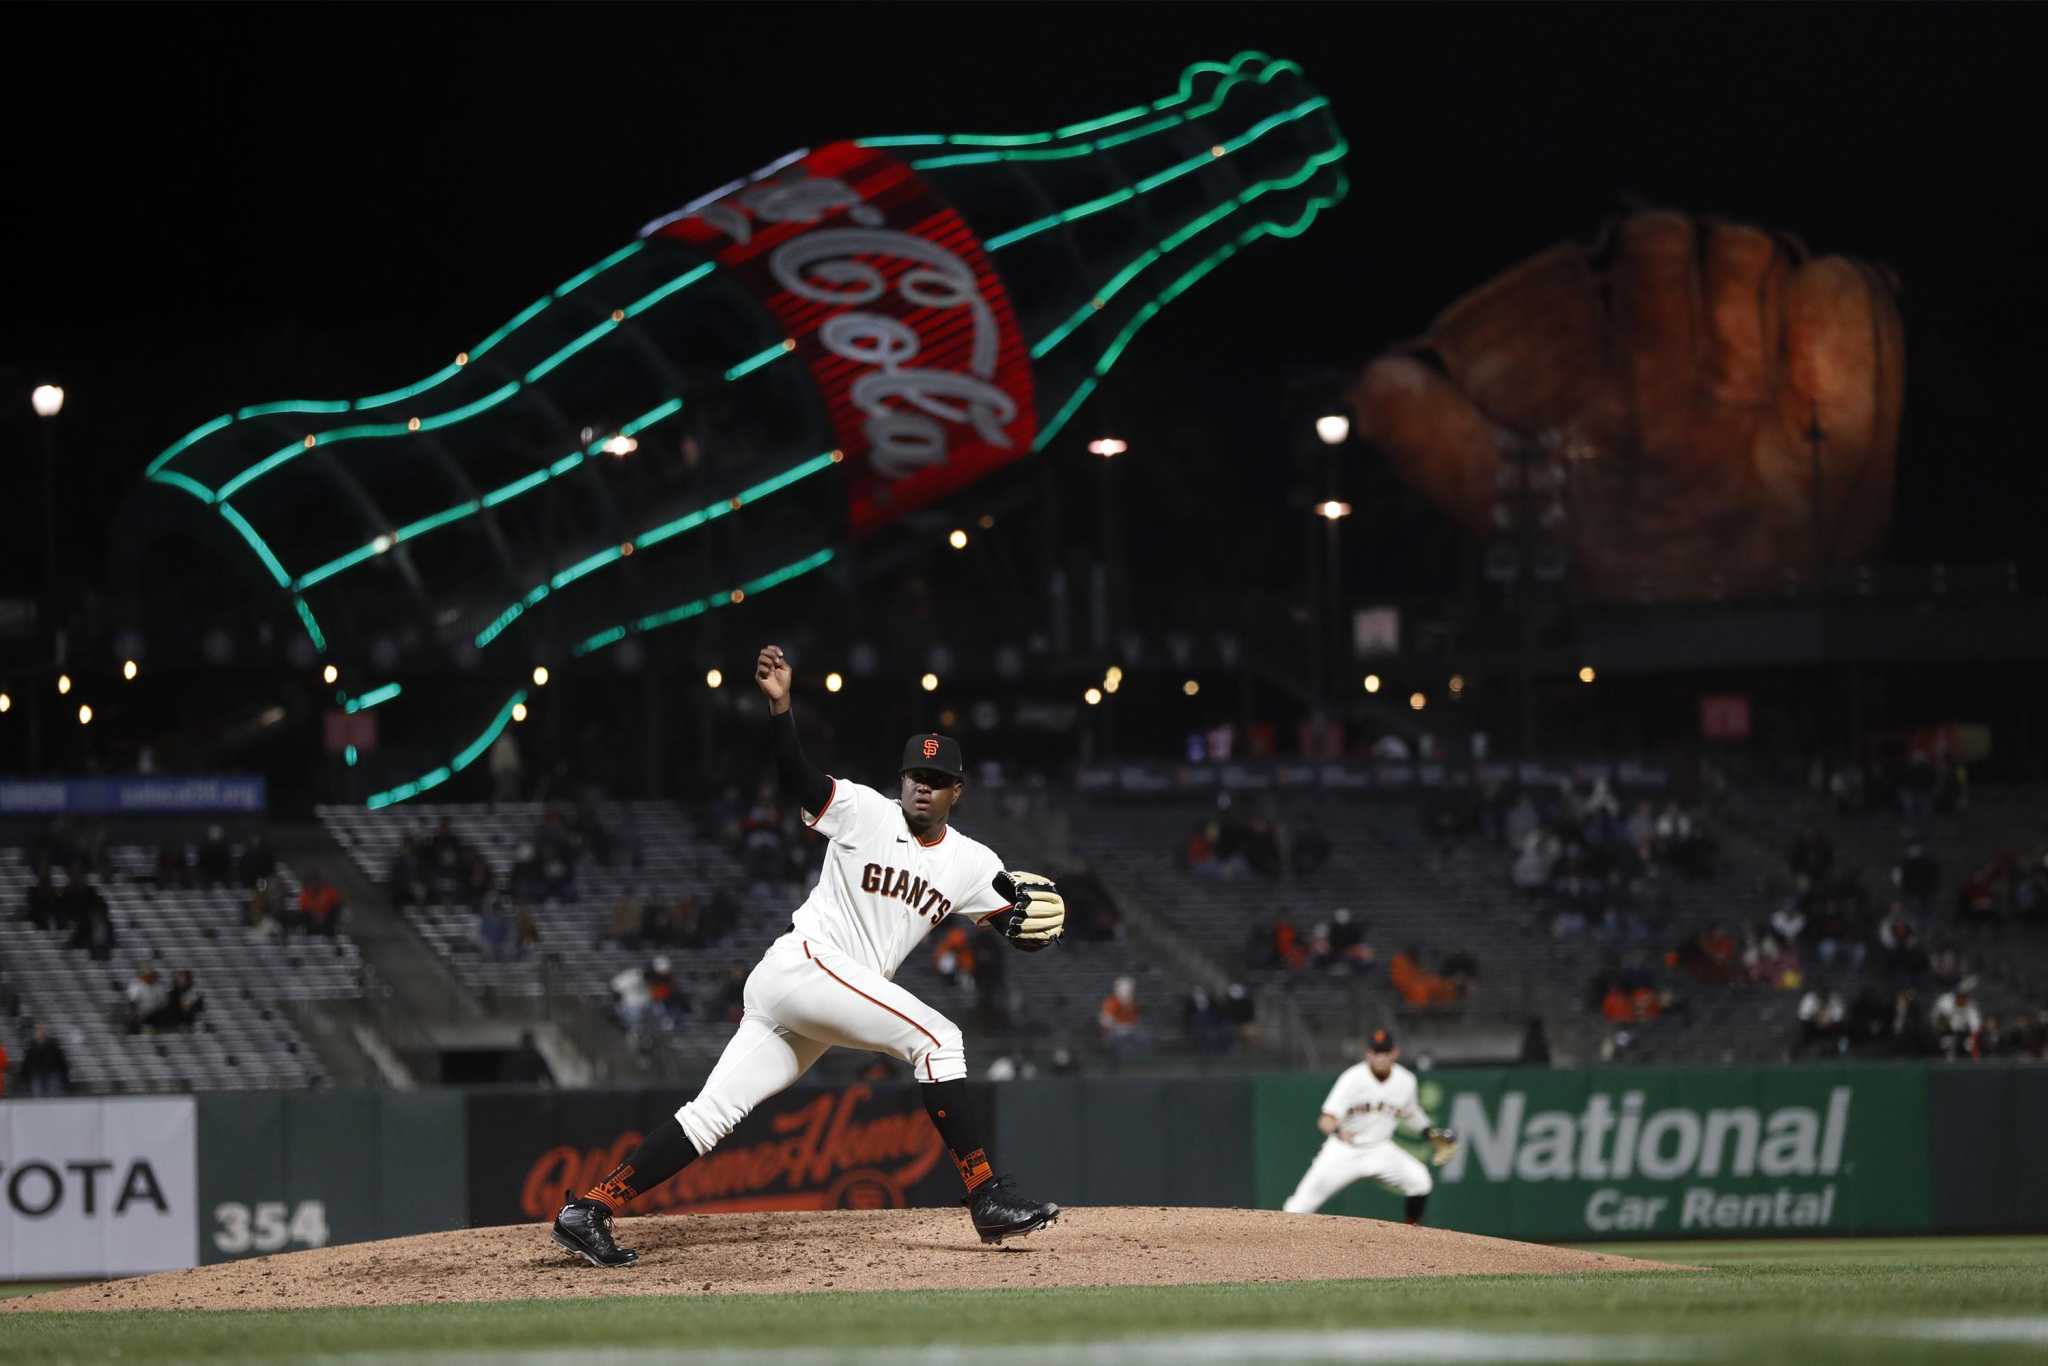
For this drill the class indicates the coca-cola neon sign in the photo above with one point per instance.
(892, 303)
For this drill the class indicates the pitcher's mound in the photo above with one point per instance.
(898, 1249)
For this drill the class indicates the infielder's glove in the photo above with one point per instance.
(1443, 1146)
(1037, 915)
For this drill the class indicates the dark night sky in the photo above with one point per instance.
(212, 207)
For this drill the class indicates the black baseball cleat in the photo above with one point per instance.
(999, 1212)
(584, 1227)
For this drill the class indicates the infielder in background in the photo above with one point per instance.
(894, 869)
(1359, 1116)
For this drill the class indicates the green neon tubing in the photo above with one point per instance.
(1153, 182)
(469, 755)
(312, 627)
(191, 486)
(753, 363)
(653, 297)
(469, 410)
(334, 566)
(241, 524)
(375, 697)
(1232, 77)
(439, 377)
(697, 607)
(1184, 93)
(1173, 291)
(656, 535)
(439, 519)
(1051, 340)
(581, 278)
(199, 433)
(515, 488)
(648, 419)
(602, 329)
(289, 406)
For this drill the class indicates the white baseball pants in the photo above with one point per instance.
(801, 999)
(1339, 1164)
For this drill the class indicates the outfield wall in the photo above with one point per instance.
(118, 1185)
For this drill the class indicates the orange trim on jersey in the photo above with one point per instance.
(812, 823)
(883, 1004)
(930, 844)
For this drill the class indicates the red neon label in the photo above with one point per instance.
(894, 306)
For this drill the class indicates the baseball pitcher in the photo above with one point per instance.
(894, 869)
(1359, 1116)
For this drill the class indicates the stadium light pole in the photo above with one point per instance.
(1106, 449)
(48, 401)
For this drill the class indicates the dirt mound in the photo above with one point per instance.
(733, 1254)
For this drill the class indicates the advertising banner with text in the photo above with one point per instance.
(1643, 1152)
(854, 1147)
(97, 1187)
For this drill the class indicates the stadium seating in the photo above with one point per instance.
(244, 1040)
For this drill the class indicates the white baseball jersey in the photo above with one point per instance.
(883, 888)
(1367, 1109)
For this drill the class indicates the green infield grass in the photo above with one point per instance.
(1963, 1300)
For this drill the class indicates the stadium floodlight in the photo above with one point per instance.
(1333, 428)
(1331, 510)
(930, 682)
(1108, 446)
(47, 400)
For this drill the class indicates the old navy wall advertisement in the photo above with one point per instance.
(97, 1187)
(854, 1147)
(1644, 1153)
(906, 328)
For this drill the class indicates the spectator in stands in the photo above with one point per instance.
(525, 1066)
(45, 1071)
(92, 925)
(1205, 1025)
(665, 995)
(1461, 969)
(1321, 956)
(260, 914)
(686, 922)
(627, 912)
(1916, 789)
(1984, 895)
(406, 878)
(1956, 1022)
(216, 862)
(1535, 1050)
(953, 958)
(588, 826)
(1119, 1019)
(1711, 957)
(258, 861)
(1839, 931)
(526, 929)
(557, 851)
(631, 998)
(761, 843)
(657, 923)
(1535, 860)
(149, 1000)
(1278, 946)
(1823, 1020)
(1347, 943)
(173, 869)
(1770, 962)
(494, 930)
(1788, 922)
(1918, 878)
(187, 1001)
(39, 903)
(1418, 986)
(1899, 942)
(447, 859)
(528, 881)
(319, 909)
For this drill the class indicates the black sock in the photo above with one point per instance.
(661, 1154)
(948, 1105)
(1416, 1204)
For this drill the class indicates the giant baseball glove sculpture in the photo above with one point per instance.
(1724, 407)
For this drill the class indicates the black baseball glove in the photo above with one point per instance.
(1037, 914)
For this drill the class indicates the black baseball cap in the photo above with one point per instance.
(1381, 1041)
(940, 753)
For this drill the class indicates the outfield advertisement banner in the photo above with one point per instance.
(1642, 1152)
(854, 1147)
(97, 1187)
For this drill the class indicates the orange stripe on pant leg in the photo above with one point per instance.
(884, 1005)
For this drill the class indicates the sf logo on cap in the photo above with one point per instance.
(931, 748)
